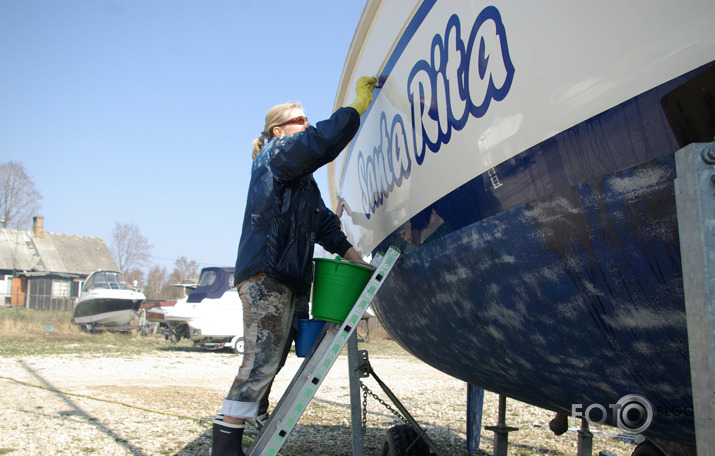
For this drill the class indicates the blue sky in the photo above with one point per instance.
(143, 111)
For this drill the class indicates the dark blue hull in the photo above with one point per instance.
(556, 278)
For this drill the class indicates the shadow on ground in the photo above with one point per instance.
(318, 440)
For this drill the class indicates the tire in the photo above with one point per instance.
(402, 440)
(238, 347)
(647, 448)
(182, 331)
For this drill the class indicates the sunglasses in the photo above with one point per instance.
(300, 120)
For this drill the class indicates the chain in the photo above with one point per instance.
(364, 407)
(367, 391)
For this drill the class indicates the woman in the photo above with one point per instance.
(285, 216)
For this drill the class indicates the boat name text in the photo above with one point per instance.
(458, 82)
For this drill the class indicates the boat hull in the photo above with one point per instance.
(569, 297)
(535, 312)
(104, 311)
(539, 232)
(211, 312)
(209, 319)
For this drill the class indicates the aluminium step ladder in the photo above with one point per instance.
(316, 366)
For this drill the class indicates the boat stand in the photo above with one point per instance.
(695, 203)
(501, 430)
(585, 440)
(501, 434)
(359, 366)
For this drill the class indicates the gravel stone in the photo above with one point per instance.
(161, 403)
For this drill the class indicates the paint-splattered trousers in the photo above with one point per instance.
(269, 308)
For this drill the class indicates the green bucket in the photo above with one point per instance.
(336, 287)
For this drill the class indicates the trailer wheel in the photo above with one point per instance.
(182, 332)
(238, 345)
(402, 440)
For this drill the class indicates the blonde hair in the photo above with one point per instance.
(276, 116)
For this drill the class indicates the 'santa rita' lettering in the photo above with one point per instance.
(458, 83)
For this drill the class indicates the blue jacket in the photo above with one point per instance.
(285, 214)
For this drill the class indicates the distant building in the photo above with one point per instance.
(45, 271)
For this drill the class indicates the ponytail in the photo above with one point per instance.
(276, 116)
(258, 145)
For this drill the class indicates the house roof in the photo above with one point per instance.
(53, 253)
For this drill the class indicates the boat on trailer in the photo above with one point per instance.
(522, 157)
(211, 315)
(107, 303)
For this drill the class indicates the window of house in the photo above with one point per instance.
(60, 289)
(40, 287)
(7, 281)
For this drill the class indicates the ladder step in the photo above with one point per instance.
(316, 366)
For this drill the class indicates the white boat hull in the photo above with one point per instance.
(115, 318)
(210, 318)
(211, 313)
(110, 308)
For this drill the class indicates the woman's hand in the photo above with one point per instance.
(364, 94)
(354, 257)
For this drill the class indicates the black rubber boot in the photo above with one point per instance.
(226, 438)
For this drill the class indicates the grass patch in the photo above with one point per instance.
(19, 321)
(25, 332)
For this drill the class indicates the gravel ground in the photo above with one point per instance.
(161, 403)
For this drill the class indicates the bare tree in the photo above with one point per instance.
(183, 270)
(156, 279)
(19, 200)
(129, 248)
(135, 278)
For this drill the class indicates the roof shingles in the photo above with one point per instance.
(59, 253)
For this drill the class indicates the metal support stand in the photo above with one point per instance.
(359, 365)
(354, 365)
(501, 430)
(475, 406)
(694, 189)
(585, 440)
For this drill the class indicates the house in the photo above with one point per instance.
(45, 271)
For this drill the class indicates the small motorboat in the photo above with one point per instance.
(211, 315)
(155, 310)
(106, 302)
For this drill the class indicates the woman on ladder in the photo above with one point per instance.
(285, 216)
